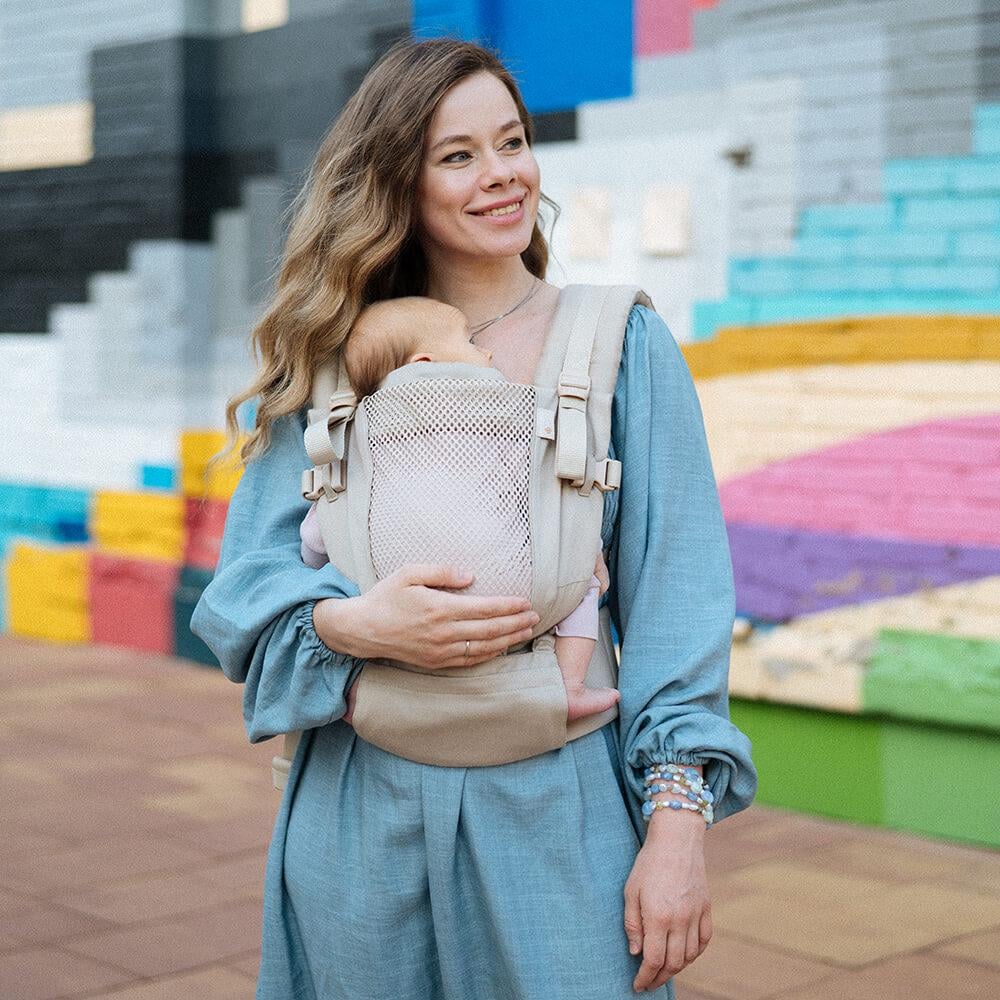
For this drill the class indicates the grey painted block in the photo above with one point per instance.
(265, 199)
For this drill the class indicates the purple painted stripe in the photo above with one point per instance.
(782, 573)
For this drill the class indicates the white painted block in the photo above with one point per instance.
(590, 224)
(666, 221)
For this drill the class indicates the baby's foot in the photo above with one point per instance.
(588, 701)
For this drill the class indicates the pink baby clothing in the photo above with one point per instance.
(582, 621)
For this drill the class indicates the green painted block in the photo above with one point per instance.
(961, 800)
(934, 678)
(813, 761)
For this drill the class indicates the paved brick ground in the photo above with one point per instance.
(136, 819)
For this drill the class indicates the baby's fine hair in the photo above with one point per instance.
(385, 334)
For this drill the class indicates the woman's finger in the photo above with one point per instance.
(705, 928)
(694, 947)
(633, 923)
(654, 948)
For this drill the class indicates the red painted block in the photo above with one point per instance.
(131, 602)
(662, 26)
(204, 522)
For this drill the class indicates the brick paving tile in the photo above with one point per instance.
(884, 854)
(984, 948)
(47, 973)
(768, 835)
(159, 897)
(909, 978)
(742, 970)
(88, 815)
(216, 982)
(39, 923)
(177, 945)
(220, 837)
(844, 919)
(96, 862)
(249, 965)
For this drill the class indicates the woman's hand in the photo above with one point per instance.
(406, 617)
(668, 916)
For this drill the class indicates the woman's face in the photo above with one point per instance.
(491, 165)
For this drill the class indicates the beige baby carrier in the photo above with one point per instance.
(447, 462)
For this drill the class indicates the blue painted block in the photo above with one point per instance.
(922, 245)
(710, 317)
(944, 213)
(751, 276)
(930, 175)
(22, 507)
(824, 219)
(979, 246)
(822, 248)
(65, 504)
(468, 19)
(951, 278)
(987, 141)
(978, 175)
(848, 278)
(157, 477)
(550, 48)
(986, 131)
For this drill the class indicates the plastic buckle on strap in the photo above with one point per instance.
(574, 386)
(608, 475)
(318, 481)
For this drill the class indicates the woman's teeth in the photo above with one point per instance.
(509, 210)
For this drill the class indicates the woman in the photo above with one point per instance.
(538, 878)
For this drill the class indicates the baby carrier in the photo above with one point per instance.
(503, 480)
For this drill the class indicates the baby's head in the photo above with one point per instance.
(397, 332)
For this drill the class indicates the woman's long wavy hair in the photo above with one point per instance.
(352, 238)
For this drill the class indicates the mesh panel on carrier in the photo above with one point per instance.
(451, 468)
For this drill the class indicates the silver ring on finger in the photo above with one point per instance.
(466, 650)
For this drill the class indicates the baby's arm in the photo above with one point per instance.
(576, 636)
(313, 550)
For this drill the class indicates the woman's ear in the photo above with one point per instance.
(418, 357)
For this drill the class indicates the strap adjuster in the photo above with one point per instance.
(319, 481)
(574, 386)
(608, 475)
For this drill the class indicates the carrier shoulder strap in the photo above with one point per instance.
(333, 407)
(598, 315)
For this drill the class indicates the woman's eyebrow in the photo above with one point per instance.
(468, 138)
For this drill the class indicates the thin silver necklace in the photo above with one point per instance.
(478, 329)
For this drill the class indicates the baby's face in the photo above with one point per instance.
(453, 344)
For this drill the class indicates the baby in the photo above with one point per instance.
(395, 332)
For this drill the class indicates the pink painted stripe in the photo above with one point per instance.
(931, 482)
(662, 26)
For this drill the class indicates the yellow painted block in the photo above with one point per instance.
(197, 447)
(47, 592)
(856, 340)
(139, 524)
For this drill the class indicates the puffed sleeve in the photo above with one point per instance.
(256, 614)
(672, 597)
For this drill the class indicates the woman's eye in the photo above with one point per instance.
(518, 140)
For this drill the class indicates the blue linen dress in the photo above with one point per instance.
(388, 878)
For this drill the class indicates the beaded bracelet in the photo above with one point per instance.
(687, 782)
